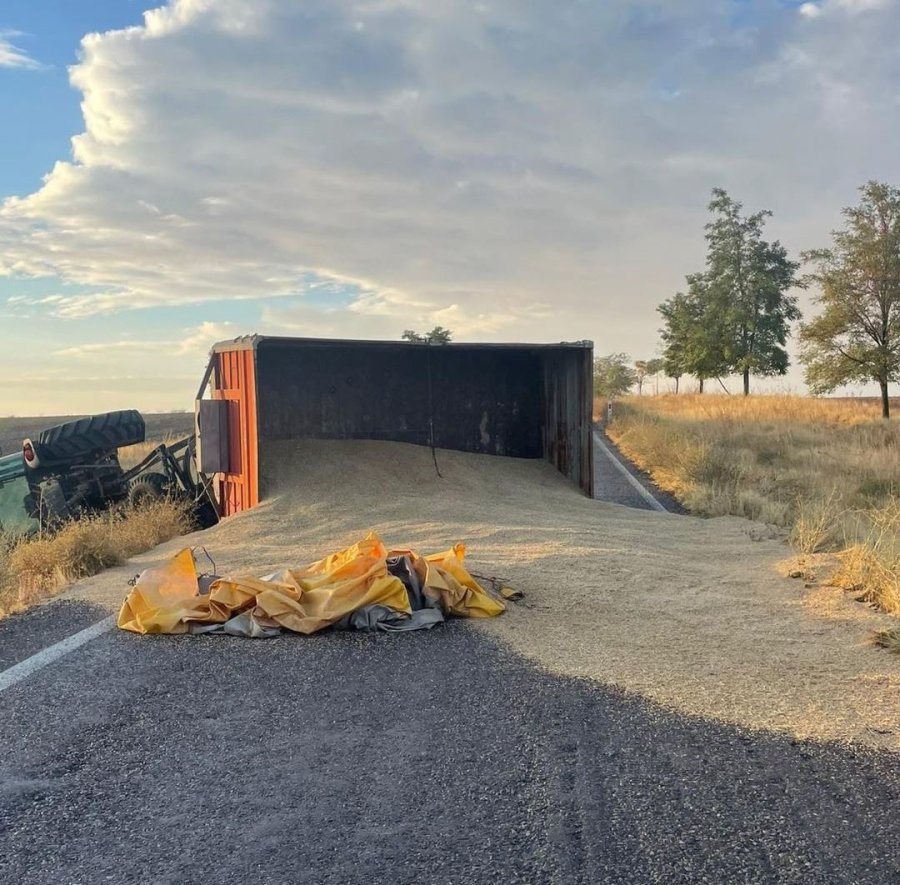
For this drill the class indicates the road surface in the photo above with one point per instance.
(619, 481)
(437, 757)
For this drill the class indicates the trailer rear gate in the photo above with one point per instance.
(518, 400)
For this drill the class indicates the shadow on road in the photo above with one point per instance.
(433, 757)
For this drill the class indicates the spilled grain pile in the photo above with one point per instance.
(688, 613)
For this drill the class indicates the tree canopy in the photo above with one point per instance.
(856, 337)
(613, 375)
(694, 334)
(749, 280)
(736, 314)
(438, 335)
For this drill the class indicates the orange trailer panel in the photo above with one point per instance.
(236, 383)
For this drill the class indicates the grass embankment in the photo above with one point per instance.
(33, 569)
(826, 470)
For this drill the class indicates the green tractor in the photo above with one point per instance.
(73, 469)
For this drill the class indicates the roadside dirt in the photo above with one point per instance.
(691, 614)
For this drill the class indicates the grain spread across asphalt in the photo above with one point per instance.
(691, 614)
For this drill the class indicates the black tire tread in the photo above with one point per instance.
(103, 432)
(147, 486)
(54, 507)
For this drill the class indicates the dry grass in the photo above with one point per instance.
(8, 584)
(817, 525)
(889, 639)
(871, 567)
(129, 456)
(826, 470)
(36, 568)
(774, 459)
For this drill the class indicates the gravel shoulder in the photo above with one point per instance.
(690, 614)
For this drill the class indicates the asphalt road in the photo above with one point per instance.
(433, 757)
(416, 758)
(611, 485)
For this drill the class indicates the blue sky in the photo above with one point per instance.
(43, 105)
(511, 169)
(47, 113)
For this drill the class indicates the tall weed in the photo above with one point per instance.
(35, 568)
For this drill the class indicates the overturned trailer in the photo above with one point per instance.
(517, 400)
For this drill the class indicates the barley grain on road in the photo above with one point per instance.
(479, 752)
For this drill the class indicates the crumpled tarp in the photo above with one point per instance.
(365, 587)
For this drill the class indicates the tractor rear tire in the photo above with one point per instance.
(104, 432)
(148, 488)
(54, 509)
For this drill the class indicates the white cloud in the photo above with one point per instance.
(12, 56)
(194, 341)
(201, 338)
(507, 170)
(110, 349)
(843, 7)
(854, 6)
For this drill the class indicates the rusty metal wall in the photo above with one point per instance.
(480, 400)
(235, 382)
(567, 422)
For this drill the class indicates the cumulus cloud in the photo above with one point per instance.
(11, 56)
(516, 168)
(201, 338)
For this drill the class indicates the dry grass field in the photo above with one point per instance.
(827, 470)
(35, 568)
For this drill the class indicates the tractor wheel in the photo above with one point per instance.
(147, 489)
(104, 432)
(54, 509)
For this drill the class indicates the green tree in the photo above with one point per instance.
(748, 280)
(674, 357)
(644, 369)
(438, 335)
(654, 368)
(856, 337)
(613, 375)
(641, 370)
(694, 333)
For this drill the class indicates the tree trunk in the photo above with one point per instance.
(676, 385)
(885, 400)
(701, 385)
(746, 382)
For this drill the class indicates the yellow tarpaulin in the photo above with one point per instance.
(168, 599)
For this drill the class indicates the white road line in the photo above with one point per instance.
(54, 652)
(627, 474)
